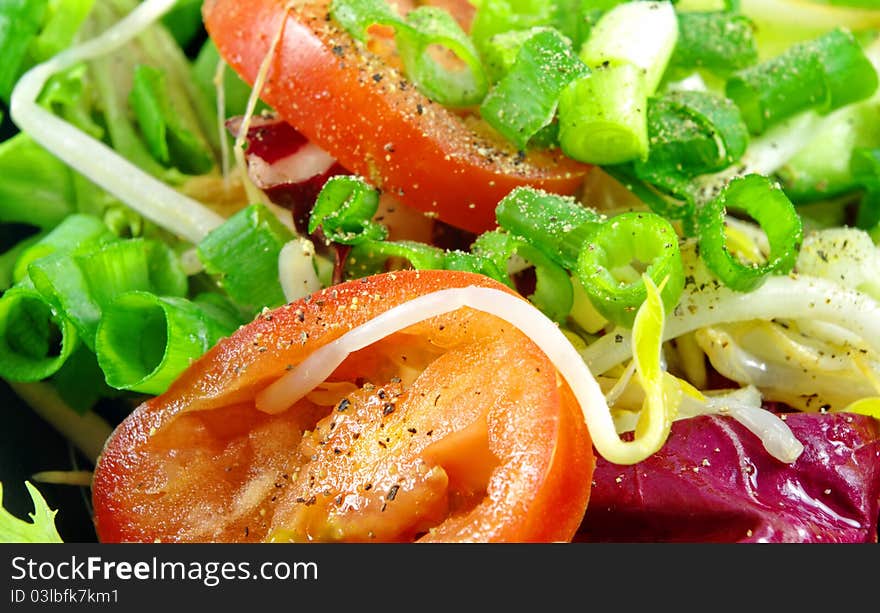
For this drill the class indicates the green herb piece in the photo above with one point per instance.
(556, 225)
(145, 341)
(615, 256)
(525, 100)
(344, 211)
(769, 206)
(243, 256)
(825, 74)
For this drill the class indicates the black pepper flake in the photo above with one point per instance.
(618, 338)
(388, 409)
(368, 487)
(338, 50)
(343, 404)
(392, 492)
(377, 77)
(420, 109)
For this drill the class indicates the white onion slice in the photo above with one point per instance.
(298, 382)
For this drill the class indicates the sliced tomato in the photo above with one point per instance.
(364, 113)
(455, 429)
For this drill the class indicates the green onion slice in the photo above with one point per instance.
(553, 293)
(691, 133)
(825, 74)
(771, 208)
(145, 341)
(242, 254)
(344, 210)
(555, 225)
(35, 341)
(525, 100)
(610, 262)
(718, 41)
(437, 55)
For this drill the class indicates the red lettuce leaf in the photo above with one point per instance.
(714, 482)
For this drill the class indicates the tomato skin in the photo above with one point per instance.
(375, 123)
(542, 489)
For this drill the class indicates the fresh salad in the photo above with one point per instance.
(445, 270)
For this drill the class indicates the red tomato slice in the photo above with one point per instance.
(455, 429)
(363, 112)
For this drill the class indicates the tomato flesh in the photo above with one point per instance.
(455, 429)
(362, 111)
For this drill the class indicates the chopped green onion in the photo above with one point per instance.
(500, 51)
(768, 205)
(416, 35)
(603, 116)
(556, 225)
(35, 340)
(642, 34)
(718, 41)
(145, 341)
(524, 101)
(344, 211)
(610, 262)
(553, 293)
(427, 27)
(825, 74)
(692, 133)
(62, 284)
(81, 285)
(76, 232)
(243, 255)
(494, 17)
(661, 203)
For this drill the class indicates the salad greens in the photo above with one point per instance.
(740, 156)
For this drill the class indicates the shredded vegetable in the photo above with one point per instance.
(681, 200)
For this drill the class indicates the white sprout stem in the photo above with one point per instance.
(296, 269)
(316, 368)
(147, 195)
(220, 90)
(88, 432)
(744, 405)
(778, 298)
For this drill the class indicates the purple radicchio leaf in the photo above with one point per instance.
(714, 482)
(283, 163)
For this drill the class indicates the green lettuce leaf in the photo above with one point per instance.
(41, 528)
